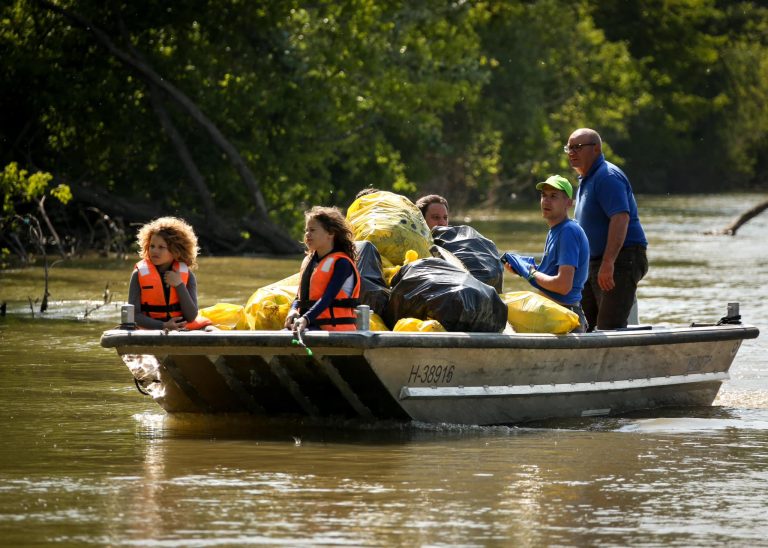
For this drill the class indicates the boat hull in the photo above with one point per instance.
(464, 378)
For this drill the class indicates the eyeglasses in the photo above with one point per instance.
(575, 148)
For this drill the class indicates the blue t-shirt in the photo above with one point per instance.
(566, 245)
(604, 192)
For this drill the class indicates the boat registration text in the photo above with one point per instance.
(431, 374)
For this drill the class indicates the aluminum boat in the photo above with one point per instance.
(463, 378)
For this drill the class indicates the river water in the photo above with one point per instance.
(85, 460)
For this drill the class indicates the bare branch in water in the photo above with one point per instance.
(751, 213)
(106, 299)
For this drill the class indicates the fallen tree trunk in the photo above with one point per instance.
(214, 233)
(743, 218)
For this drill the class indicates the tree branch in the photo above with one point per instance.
(741, 219)
(183, 152)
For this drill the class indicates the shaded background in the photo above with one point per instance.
(238, 116)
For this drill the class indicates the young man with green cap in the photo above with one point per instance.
(565, 265)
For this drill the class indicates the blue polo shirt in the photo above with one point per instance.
(566, 245)
(604, 192)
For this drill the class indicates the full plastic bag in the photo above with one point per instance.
(225, 316)
(530, 312)
(268, 307)
(415, 324)
(435, 289)
(392, 223)
(373, 289)
(444, 254)
(377, 324)
(390, 272)
(478, 253)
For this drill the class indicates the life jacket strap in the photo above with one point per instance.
(334, 321)
(336, 303)
(146, 307)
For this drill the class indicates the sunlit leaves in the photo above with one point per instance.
(19, 186)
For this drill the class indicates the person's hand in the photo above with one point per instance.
(174, 324)
(172, 278)
(520, 265)
(530, 261)
(605, 276)
(292, 315)
(300, 324)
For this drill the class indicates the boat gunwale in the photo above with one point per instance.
(368, 340)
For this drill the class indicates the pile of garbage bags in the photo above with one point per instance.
(449, 279)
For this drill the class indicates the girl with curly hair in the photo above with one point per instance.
(163, 288)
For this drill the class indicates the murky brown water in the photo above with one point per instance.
(86, 460)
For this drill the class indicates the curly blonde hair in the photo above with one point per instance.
(178, 235)
(334, 222)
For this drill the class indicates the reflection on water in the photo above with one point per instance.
(87, 460)
(443, 485)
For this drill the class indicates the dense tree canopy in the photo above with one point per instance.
(239, 115)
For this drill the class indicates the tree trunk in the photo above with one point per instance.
(183, 152)
(214, 233)
(54, 234)
(743, 218)
(275, 237)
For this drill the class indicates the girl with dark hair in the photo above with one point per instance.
(330, 283)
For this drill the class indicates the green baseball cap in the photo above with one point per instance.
(559, 182)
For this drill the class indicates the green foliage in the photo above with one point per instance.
(19, 187)
(699, 59)
(553, 71)
(24, 194)
(468, 99)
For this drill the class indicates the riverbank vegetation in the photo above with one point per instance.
(239, 115)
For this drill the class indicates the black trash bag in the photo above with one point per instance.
(478, 253)
(435, 289)
(373, 289)
(444, 254)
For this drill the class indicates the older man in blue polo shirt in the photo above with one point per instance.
(607, 211)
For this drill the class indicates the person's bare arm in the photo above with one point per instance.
(560, 283)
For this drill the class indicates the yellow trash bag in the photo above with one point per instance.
(389, 272)
(415, 324)
(225, 316)
(377, 324)
(268, 307)
(530, 312)
(392, 223)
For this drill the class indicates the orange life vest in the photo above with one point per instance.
(153, 302)
(340, 315)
